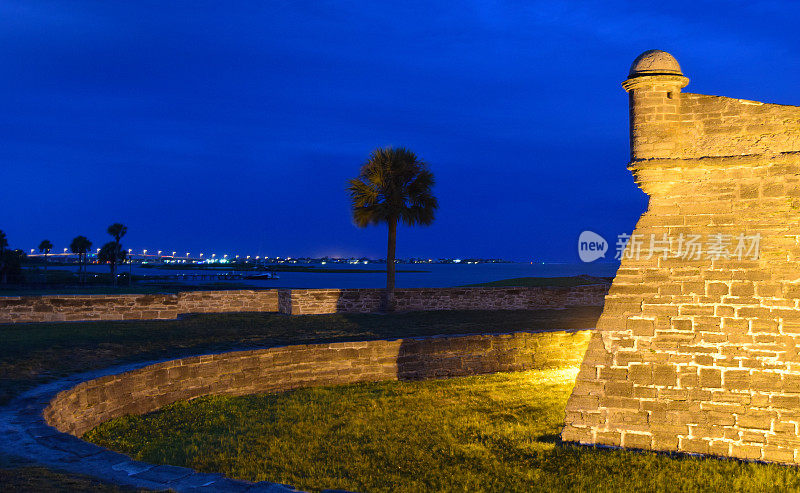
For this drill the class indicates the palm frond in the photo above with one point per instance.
(394, 184)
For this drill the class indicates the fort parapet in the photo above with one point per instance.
(696, 350)
(60, 308)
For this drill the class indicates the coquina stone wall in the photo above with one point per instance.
(85, 406)
(699, 353)
(26, 309)
(319, 301)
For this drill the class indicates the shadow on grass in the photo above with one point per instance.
(553, 438)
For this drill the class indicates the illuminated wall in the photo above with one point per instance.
(696, 350)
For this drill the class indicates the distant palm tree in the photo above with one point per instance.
(44, 247)
(3, 246)
(81, 246)
(111, 253)
(116, 230)
(393, 186)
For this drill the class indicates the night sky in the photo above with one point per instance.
(232, 127)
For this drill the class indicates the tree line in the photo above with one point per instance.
(111, 253)
(394, 186)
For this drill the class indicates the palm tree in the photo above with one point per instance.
(111, 253)
(44, 247)
(81, 245)
(3, 246)
(393, 186)
(116, 230)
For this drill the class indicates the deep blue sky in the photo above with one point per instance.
(232, 127)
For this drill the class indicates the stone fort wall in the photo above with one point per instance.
(26, 309)
(699, 353)
(320, 301)
(91, 403)
(61, 308)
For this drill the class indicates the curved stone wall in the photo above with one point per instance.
(90, 403)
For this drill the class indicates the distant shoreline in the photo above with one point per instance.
(277, 268)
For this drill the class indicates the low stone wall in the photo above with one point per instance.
(90, 403)
(60, 308)
(319, 301)
(228, 301)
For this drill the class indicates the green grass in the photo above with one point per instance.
(535, 282)
(484, 433)
(35, 353)
(60, 281)
(148, 288)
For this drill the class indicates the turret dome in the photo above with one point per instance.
(655, 62)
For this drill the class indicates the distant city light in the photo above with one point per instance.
(65, 250)
(145, 252)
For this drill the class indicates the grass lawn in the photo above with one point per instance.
(551, 282)
(35, 353)
(483, 433)
(68, 284)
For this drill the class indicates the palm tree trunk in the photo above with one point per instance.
(390, 252)
(114, 262)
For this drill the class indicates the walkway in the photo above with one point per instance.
(25, 434)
